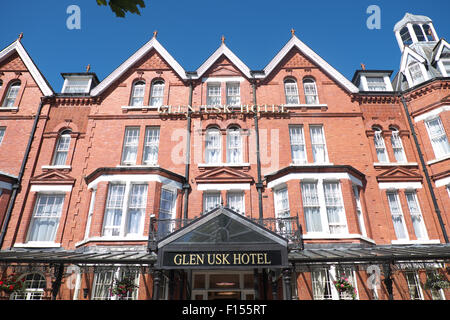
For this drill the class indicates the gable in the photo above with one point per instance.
(295, 59)
(223, 67)
(13, 63)
(152, 61)
(408, 56)
(224, 175)
(398, 174)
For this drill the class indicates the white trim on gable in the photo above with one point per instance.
(152, 44)
(295, 42)
(223, 50)
(35, 73)
(404, 62)
(439, 50)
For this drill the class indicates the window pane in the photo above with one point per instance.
(321, 284)
(380, 146)
(233, 94)
(34, 285)
(406, 37)
(310, 88)
(234, 146)
(137, 96)
(11, 95)
(438, 137)
(416, 73)
(428, 32)
(291, 91)
(157, 94)
(2, 133)
(235, 201)
(211, 201)
(137, 203)
(130, 145)
(318, 144)
(62, 149)
(282, 203)
(397, 215)
(413, 285)
(416, 215)
(311, 207)
(213, 95)
(46, 215)
(419, 33)
(397, 147)
(376, 84)
(151, 145)
(297, 139)
(113, 210)
(335, 209)
(213, 146)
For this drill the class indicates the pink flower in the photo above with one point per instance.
(342, 285)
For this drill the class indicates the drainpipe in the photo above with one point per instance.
(16, 186)
(424, 169)
(186, 185)
(259, 184)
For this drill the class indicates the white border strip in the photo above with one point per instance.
(314, 176)
(51, 188)
(432, 113)
(223, 79)
(223, 186)
(400, 185)
(134, 178)
(442, 182)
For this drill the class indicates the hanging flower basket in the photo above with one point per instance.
(123, 287)
(10, 284)
(344, 286)
(436, 281)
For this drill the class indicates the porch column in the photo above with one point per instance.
(57, 283)
(388, 280)
(287, 283)
(156, 282)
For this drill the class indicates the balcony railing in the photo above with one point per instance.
(288, 228)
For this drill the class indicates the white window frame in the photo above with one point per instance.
(376, 85)
(232, 195)
(216, 135)
(109, 278)
(397, 144)
(233, 90)
(62, 148)
(128, 143)
(234, 131)
(412, 80)
(416, 213)
(297, 140)
(54, 216)
(436, 147)
(323, 143)
(2, 134)
(157, 93)
(322, 205)
(166, 220)
(310, 91)
(213, 94)
(380, 145)
(207, 194)
(291, 91)
(151, 145)
(398, 214)
(124, 212)
(76, 85)
(31, 289)
(11, 95)
(413, 276)
(359, 211)
(331, 274)
(138, 93)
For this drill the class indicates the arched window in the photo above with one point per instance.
(137, 94)
(34, 285)
(213, 146)
(11, 94)
(428, 32)
(406, 37)
(379, 145)
(62, 148)
(397, 145)
(416, 73)
(309, 86)
(234, 145)
(157, 93)
(419, 32)
(291, 91)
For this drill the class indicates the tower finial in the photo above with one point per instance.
(222, 39)
(293, 32)
(363, 66)
(20, 36)
(88, 67)
(155, 34)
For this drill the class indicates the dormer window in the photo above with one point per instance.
(406, 37)
(416, 73)
(376, 84)
(76, 85)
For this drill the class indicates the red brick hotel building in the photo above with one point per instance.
(227, 182)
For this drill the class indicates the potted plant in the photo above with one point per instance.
(123, 287)
(10, 284)
(343, 285)
(436, 281)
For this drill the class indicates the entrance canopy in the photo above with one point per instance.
(222, 239)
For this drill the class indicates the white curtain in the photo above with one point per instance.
(62, 148)
(416, 215)
(397, 215)
(311, 207)
(213, 146)
(297, 144)
(321, 285)
(151, 145)
(157, 94)
(291, 91)
(213, 97)
(234, 146)
(137, 203)
(318, 144)
(335, 208)
(211, 201)
(47, 212)
(137, 97)
(113, 210)
(233, 94)
(397, 146)
(130, 146)
(310, 89)
(380, 147)
(235, 201)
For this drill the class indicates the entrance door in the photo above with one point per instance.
(222, 285)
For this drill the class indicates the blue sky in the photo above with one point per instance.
(191, 30)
